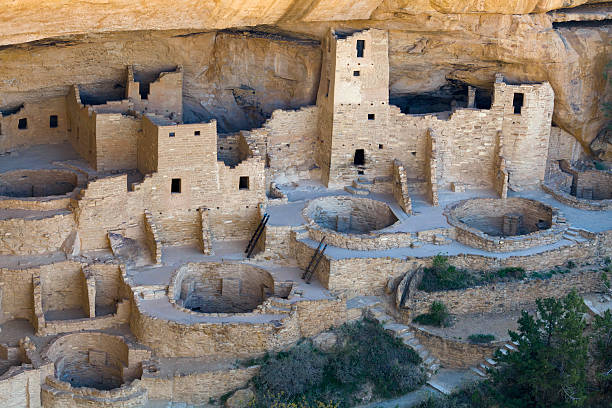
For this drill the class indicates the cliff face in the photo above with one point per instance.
(239, 77)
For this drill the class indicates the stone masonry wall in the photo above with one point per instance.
(453, 353)
(505, 296)
(38, 130)
(35, 234)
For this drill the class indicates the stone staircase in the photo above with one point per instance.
(373, 308)
(573, 234)
(360, 186)
(482, 369)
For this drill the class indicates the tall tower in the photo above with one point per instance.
(353, 105)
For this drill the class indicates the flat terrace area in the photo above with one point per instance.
(157, 277)
(427, 217)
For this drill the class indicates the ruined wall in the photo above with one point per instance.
(81, 126)
(100, 208)
(291, 143)
(17, 294)
(39, 127)
(198, 387)
(453, 353)
(21, 388)
(38, 233)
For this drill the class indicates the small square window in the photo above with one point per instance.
(371, 116)
(356, 73)
(53, 121)
(196, 133)
(244, 183)
(176, 186)
(380, 146)
(22, 124)
(171, 134)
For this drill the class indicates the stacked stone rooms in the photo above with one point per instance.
(141, 255)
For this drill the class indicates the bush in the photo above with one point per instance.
(442, 276)
(364, 355)
(481, 338)
(513, 272)
(438, 315)
(292, 373)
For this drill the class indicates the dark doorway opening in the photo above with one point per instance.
(360, 48)
(176, 186)
(53, 121)
(359, 159)
(517, 102)
(22, 124)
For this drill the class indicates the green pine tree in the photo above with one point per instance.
(549, 367)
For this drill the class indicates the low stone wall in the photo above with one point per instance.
(53, 327)
(453, 353)
(60, 394)
(368, 276)
(32, 235)
(197, 387)
(583, 204)
(361, 242)
(503, 296)
(170, 338)
(152, 238)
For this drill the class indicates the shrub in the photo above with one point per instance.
(571, 264)
(442, 276)
(514, 272)
(292, 373)
(438, 315)
(364, 354)
(481, 338)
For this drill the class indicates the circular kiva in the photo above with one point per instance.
(37, 183)
(221, 288)
(350, 215)
(504, 225)
(92, 360)
(587, 190)
(354, 223)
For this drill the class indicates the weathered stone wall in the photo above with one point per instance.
(102, 207)
(35, 234)
(38, 128)
(198, 387)
(503, 296)
(116, 141)
(594, 185)
(367, 276)
(17, 294)
(454, 353)
(290, 140)
(20, 387)
(234, 339)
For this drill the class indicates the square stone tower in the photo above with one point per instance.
(353, 105)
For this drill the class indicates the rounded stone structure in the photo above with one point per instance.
(354, 223)
(92, 360)
(220, 288)
(37, 183)
(350, 215)
(504, 225)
